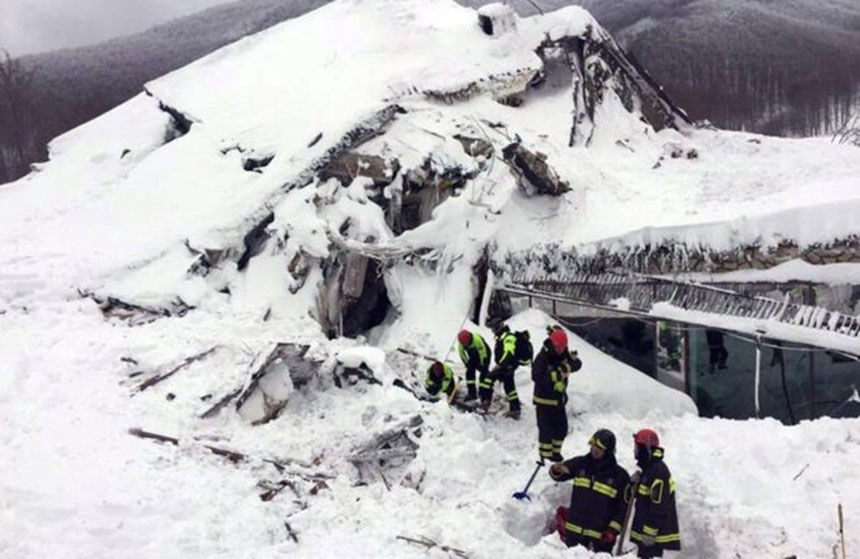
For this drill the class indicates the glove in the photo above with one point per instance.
(636, 478)
(609, 536)
(557, 470)
(647, 540)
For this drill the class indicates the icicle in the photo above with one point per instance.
(485, 300)
(757, 374)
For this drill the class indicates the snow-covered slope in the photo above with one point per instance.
(389, 125)
(74, 484)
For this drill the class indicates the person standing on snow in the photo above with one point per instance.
(598, 500)
(511, 351)
(550, 371)
(476, 357)
(655, 524)
(440, 380)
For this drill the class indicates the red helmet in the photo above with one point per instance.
(438, 368)
(647, 438)
(464, 337)
(558, 338)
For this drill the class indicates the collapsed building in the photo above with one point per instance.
(487, 145)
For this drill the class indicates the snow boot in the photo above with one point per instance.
(471, 404)
(483, 407)
(513, 414)
(556, 458)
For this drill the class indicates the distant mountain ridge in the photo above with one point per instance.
(792, 68)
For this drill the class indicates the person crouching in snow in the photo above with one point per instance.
(598, 500)
(440, 380)
(475, 355)
(511, 351)
(550, 370)
(655, 524)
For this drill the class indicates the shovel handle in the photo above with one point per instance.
(841, 531)
(634, 489)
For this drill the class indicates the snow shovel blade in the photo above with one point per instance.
(524, 494)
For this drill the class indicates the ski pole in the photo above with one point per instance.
(841, 531)
(633, 491)
(524, 493)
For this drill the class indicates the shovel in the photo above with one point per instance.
(633, 492)
(520, 495)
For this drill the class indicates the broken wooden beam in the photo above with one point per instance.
(382, 455)
(213, 411)
(290, 532)
(281, 464)
(152, 381)
(272, 490)
(383, 438)
(430, 544)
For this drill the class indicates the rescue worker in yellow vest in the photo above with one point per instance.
(440, 380)
(601, 491)
(511, 351)
(550, 371)
(655, 524)
(475, 355)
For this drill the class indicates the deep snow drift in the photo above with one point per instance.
(138, 207)
(75, 484)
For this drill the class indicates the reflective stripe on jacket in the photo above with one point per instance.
(550, 372)
(598, 500)
(656, 515)
(506, 350)
(476, 353)
(443, 384)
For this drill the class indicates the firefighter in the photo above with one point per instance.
(655, 524)
(550, 371)
(598, 500)
(511, 351)
(476, 357)
(440, 380)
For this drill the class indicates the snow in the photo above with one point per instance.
(754, 327)
(354, 357)
(74, 483)
(793, 270)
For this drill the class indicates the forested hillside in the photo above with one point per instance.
(71, 86)
(783, 68)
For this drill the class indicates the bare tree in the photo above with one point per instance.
(849, 133)
(17, 122)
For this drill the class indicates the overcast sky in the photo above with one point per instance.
(28, 26)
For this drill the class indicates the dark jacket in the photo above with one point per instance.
(476, 354)
(656, 515)
(550, 372)
(598, 502)
(512, 349)
(440, 384)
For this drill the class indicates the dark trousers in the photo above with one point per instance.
(552, 429)
(471, 381)
(588, 543)
(649, 552)
(506, 376)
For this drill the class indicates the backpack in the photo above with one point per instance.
(524, 352)
(576, 363)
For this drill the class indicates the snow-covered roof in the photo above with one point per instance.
(276, 92)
